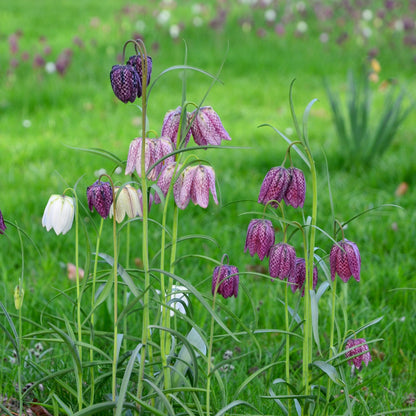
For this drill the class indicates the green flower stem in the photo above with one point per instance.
(287, 346)
(145, 239)
(19, 343)
(126, 290)
(115, 311)
(94, 277)
(331, 339)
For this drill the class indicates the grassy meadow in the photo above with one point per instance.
(45, 116)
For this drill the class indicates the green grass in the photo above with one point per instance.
(80, 110)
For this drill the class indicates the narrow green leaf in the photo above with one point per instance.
(236, 403)
(330, 370)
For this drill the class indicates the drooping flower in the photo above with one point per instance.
(171, 124)
(165, 180)
(365, 356)
(59, 214)
(297, 280)
(345, 260)
(100, 197)
(136, 62)
(282, 261)
(125, 82)
(260, 237)
(156, 149)
(296, 189)
(2, 224)
(207, 127)
(178, 299)
(127, 203)
(274, 186)
(225, 281)
(194, 183)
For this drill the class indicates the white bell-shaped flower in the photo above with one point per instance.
(59, 214)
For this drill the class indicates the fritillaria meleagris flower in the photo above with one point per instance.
(260, 237)
(125, 82)
(296, 189)
(136, 62)
(165, 179)
(194, 183)
(345, 260)
(2, 224)
(207, 127)
(171, 124)
(282, 261)
(297, 280)
(59, 214)
(225, 281)
(100, 197)
(156, 149)
(365, 356)
(274, 186)
(127, 203)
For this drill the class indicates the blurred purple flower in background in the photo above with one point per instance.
(365, 356)
(2, 224)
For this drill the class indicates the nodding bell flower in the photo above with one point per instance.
(207, 127)
(194, 183)
(2, 224)
(136, 62)
(282, 261)
(345, 260)
(274, 186)
(127, 202)
(59, 214)
(100, 197)
(155, 150)
(365, 356)
(260, 237)
(165, 180)
(297, 280)
(225, 281)
(125, 82)
(171, 124)
(296, 189)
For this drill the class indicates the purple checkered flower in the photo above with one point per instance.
(345, 260)
(194, 183)
(282, 261)
(296, 189)
(297, 280)
(165, 179)
(125, 82)
(260, 237)
(136, 62)
(2, 224)
(365, 356)
(207, 128)
(225, 281)
(100, 197)
(171, 124)
(156, 149)
(274, 186)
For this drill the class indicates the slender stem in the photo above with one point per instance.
(125, 294)
(211, 342)
(94, 278)
(287, 345)
(331, 339)
(19, 304)
(115, 311)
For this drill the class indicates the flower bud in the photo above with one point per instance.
(345, 260)
(274, 186)
(19, 294)
(260, 237)
(225, 281)
(296, 189)
(125, 82)
(365, 356)
(282, 261)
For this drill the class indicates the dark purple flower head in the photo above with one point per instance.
(297, 280)
(274, 186)
(282, 261)
(207, 128)
(125, 82)
(2, 224)
(194, 183)
(296, 189)
(171, 124)
(345, 260)
(155, 150)
(225, 281)
(260, 237)
(100, 197)
(63, 61)
(365, 356)
(136, 62)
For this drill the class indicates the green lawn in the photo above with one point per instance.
(44, 116)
